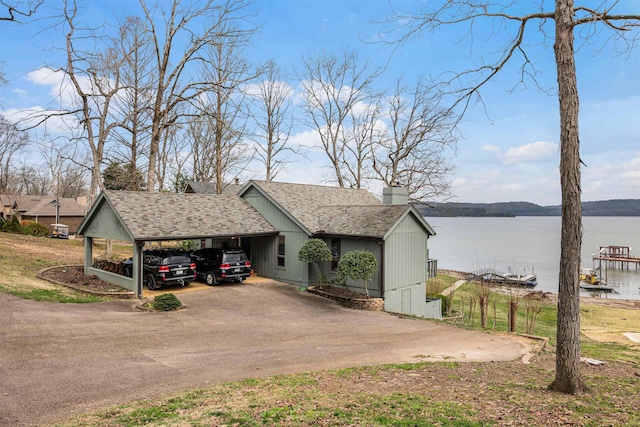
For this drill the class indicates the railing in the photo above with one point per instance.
(432, 268)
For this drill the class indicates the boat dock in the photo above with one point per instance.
(617, 257)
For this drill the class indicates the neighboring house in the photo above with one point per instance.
(42, 209)
(271, 221)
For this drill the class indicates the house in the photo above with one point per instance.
(271, 221)
(42, 209)
(346, 219)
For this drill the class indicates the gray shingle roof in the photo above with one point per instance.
(150, 216)
(303, 201)
(68, 207)
(41, 205)
(369, 221)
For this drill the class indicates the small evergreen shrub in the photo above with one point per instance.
(11, 225)
(166, 302)
(33, 228)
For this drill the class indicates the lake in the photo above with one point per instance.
(532, 245)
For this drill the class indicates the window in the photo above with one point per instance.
(280, 253)
(336, 251)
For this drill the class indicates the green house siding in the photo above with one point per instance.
(294, 271)
(405, 269)
(105, 222)
(352, 244)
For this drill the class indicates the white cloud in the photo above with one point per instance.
(529, 153)
(308, 139)
(46, 120)
(20, 92)
(491, 148)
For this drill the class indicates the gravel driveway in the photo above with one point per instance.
(57, 360)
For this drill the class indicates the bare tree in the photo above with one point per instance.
(68, 170)
(467, 86)
(185, 24)
(101, 71)
(413, 151)
(357, 140)
(132, 106)
(33, 181)
(14, 11)
(333, 86)
(12, 140)
(220, 149)
(273, 119)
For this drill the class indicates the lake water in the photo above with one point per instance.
(532, 244)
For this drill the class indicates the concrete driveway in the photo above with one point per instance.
(57, 360)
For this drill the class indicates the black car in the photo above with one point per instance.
(216, 265)
(164, 267)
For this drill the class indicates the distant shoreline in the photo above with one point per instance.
(618, 207)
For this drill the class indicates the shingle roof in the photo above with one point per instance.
(41, 205)
(68, 207)
(369, 221)
(156, 216)
(303, 201)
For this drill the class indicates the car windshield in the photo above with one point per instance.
(177, 259)
(234, 257)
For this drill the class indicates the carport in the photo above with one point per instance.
(140, 217)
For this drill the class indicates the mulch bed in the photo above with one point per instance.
(341, 292)
(75, 277)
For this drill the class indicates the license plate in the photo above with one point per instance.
(179, 272)
(237, 270)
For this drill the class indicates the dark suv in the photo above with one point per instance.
(216, 265)
(164, 267)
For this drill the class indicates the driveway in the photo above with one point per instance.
(57, 360)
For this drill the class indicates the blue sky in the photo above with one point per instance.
(508, 150)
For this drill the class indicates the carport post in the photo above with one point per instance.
(138, 275)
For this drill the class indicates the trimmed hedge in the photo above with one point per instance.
(166, 302)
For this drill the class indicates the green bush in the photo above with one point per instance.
(189, 245)
(358, 265)
(33, 228)
(11, 225)
(166, 302)
(314, 251)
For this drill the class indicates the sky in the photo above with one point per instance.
(508, 147)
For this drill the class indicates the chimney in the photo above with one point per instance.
(395, 195)
(237, 181)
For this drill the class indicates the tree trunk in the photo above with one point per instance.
(568, 377)
(484, 305)
(513, 316)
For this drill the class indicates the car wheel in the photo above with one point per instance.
(210, 278)
(151, 282)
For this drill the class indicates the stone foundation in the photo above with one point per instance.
(370, 304)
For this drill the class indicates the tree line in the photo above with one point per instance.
(170, 95)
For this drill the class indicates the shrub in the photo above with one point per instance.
(314, 251)
(166, 302)
(11, 225)
(358, 265)
(189, 245)
(33, 228)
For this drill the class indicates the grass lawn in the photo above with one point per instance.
(421, 394)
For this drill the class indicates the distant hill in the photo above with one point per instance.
(618, 207)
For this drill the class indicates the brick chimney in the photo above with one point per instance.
(395, 195)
